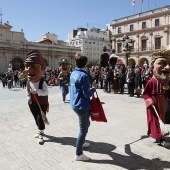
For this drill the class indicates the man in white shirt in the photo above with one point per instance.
(113, 59)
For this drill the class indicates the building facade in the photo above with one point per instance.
(91, 41)
(150, 32)
(14, 47)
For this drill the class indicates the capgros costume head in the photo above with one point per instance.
(35, 57)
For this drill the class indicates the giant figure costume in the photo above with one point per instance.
(156, 91)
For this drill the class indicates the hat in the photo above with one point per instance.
(63, 61)
(35, 57)
(161, 54)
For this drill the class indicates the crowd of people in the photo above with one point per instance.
(16, 78)
(106, 78)
(109, 78)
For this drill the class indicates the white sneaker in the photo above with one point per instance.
(82, 158)
(40, 140)
(38, 134)
(86, 144)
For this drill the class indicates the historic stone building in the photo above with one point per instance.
(150, 31)
(14, 47)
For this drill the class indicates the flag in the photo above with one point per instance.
(141, 0)
(133, 2)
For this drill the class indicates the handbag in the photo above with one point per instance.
(97, 112)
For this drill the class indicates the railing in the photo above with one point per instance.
(143, 49)
(142, 14)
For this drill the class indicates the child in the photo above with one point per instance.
(37, 89)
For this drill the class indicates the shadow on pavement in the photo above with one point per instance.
(95, 147)
(130, 161)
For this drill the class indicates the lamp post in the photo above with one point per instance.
(127, 44)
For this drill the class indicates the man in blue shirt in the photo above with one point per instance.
(80, 94)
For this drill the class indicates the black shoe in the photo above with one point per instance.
(164, 144)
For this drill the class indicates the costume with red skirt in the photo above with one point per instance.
(154, 94)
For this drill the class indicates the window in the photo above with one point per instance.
(131, 27)
(119, 47)
(143, 45)
(157, 43)
(143, 25)
(119, 30)
(93, 42)
(156, 22)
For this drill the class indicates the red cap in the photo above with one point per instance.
(35, 57)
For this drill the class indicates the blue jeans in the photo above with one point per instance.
(84, 124)
(65, 91)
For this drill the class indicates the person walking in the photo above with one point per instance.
(121, 78)
(138, 82)
(64, 78)
(115, 81)
(109, 79)
(80, 94)
(37, 89)
(131, 82)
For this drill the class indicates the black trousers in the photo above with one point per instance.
(37, 115)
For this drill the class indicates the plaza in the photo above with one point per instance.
(119, 144)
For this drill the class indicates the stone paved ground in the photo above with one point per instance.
(119, 144)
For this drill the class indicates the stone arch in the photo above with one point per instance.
(143, 61)
(17, 63)
(131, 62)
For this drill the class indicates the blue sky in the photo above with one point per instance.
(37, 17)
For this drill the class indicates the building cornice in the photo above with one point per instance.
(142, 16)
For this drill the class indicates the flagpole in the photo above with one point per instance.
(155, 3)
(133, 3)
(148, 4)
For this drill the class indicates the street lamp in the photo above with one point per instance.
(127, 44)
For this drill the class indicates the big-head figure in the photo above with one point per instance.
(34, 66)
(37, 89)
(156, 92)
